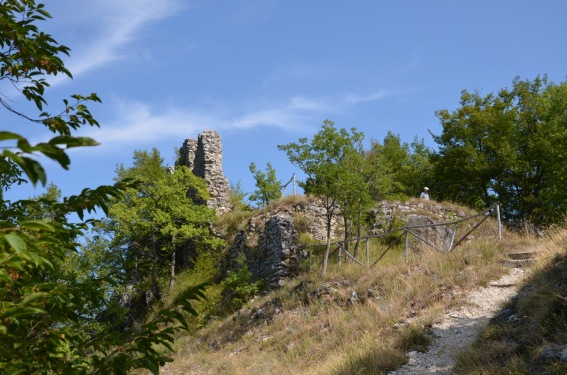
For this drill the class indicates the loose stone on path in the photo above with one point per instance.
(459, 328)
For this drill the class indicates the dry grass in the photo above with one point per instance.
(230, 223)
(514, 341)
(355, 320)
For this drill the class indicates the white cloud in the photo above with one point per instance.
(355, 99)
(291, 114)
(116, 24)
(139, 123)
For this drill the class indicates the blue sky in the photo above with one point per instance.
(267, 72)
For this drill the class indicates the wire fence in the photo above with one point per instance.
(414, 231)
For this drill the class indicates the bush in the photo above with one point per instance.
(238, 286)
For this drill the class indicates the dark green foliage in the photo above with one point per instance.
(395, 238)
(396, 170)
(157, 219)
(507, 147)
(52, 300)
(54, 289)
(11, 175)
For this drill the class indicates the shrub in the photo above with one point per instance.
(238, 286)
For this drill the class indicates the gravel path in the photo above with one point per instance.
(458, 328)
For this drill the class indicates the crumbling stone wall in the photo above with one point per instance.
(418, 214)
(203, 157)
(274, 256)
(441, 212)
(438, 236)
(271, 246)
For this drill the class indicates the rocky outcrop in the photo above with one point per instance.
(270, 241)
(391, 215)
(439, 212)
(203, 157)
(279, 255)
(276, 256)
(439, 236)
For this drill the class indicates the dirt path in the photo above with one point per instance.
(458, 328)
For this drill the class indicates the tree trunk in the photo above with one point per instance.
(328, 249)
(172, 267)
(358, 233)
(171, 273)
(155, 286)
(347, 237)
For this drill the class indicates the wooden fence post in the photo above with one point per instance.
(499, 222)
(367, 255)
(406, 246)
(453, 236)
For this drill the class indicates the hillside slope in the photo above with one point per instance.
(355, 320)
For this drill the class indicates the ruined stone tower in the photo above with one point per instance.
(204, 158)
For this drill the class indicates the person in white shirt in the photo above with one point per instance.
(425, 194)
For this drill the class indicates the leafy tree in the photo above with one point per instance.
(11, 174)
(507, 147)
(44, 309)
(269, 187)
(154, 220)
(397, 170)
(237, 197)
(238, 286)
(324, 161)
(418, 172)
(353, 194)
(384, 164)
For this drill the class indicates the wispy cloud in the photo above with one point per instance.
(290, 114)
(139, 122)
(356, 99)
(118, 23)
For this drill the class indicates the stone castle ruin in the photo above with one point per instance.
(270, 243)
(203, 157)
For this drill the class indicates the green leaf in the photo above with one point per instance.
(22, 311)
(35, 258)
(5, 278)
(9, 135)
(24, 145)
(33, 296)
(44, 12)
(73, 141)
(37, 225)
(54, 153)
(16, 242)
(31, 168)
